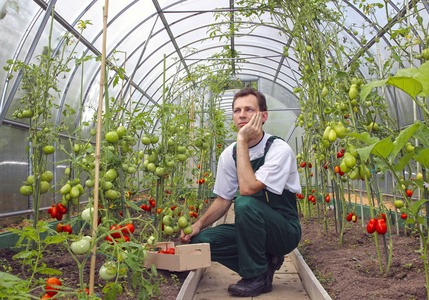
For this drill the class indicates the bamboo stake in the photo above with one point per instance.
(97, 148)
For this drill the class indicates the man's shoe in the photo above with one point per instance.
(274, 263)
(249, 287)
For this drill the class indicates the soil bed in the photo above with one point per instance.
(353, 271)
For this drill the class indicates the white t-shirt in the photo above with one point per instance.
(278, 173)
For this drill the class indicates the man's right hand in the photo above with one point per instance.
(186, 238)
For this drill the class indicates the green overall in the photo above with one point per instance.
(264, 223)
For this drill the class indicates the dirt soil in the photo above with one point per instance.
(353, 271)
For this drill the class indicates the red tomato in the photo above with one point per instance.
(170, 251)
(327, 198)
(59, 216)
(50, 290)
(350, 216)
(59, 227)
(383, 215)
(337, 169)
(67, 228)
(61, 208)
(381, 226)
(409, 193)
(371, 226)
(152, 203)
(115, 234)
(127, 229)
(404, 216)
(46, 297)
(54, 212)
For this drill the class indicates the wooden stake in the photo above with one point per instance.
(97, 148)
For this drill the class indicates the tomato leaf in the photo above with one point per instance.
(403, 137)
(422, 156)
(367, 88)
(383, 148)
(364, 137)
(409, 221)
(416, 206)
(403, 161)
(365, 152)
(422, 134)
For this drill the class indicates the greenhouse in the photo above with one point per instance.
(157, 103)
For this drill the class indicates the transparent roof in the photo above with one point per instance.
(144, 37)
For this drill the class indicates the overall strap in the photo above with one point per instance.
(267, 147)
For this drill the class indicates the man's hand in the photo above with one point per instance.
(252, 129)
(186, 238)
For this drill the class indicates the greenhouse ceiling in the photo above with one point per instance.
(166, 41)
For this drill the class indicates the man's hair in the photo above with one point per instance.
(262, 103)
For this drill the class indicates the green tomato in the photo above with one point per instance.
(141, 154)
(409, 147)
(66, 189)
(131, 170)
(26, 190)
(107, 185)
(354, 174)
(151, 167)
(111, 194)
(121, 131)
(110, 175)
(181, 149)
(154, 139)
(31, 179)
(80, 247)
(86, 214)
(146, 140)
(27, 113)
(112, 137)
(89, 183)
(44, 187)
(93, 131)
(67, 171)
(349, 160)
(47, 176)
(182, 157)
(188, 230)
(74, 192)
(353, 92)
(167, 220)
(398, 203)
(49, 149)
(159, 171)
(108, 271)
(168, 230)
(332, 135)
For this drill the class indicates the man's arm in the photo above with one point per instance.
(216, 210)
(247, 182)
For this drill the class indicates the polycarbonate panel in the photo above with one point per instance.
(13, 168)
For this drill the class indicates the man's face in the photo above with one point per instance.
(244, 108)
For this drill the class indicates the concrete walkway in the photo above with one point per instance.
(216, 279)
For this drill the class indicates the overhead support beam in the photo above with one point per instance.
(382, 32)
(170, 34)
(87, 44)
(232, 31)
(281, 61)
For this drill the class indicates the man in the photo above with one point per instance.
(263, 169)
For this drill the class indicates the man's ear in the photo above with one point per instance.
(264, 116)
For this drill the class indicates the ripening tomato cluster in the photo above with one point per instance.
(201, 181)
(57, 211)
(52, 286)
(116, 233)
(168, 251)
(351, 217)
(304, 164)
(300, 196)
(64, 228)
(378, 225)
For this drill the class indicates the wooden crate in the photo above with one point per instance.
(186, 257)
